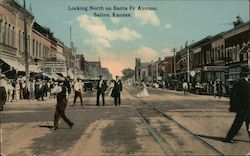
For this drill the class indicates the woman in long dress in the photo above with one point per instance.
(143, 92)
(111, 86)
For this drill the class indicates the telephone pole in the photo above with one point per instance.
(188, 72)
(26, 55)
(174, 51)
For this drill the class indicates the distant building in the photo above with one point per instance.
(95, 69)
(106, 74)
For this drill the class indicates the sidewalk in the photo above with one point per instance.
(210, 97)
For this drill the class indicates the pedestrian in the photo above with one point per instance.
(78, 91)
(116, 93)
(3, 93)
(185, 87)
(21, 90)
(67, 84)
(41, 90)
(101, 88)
(143, 92)
(111, 87)
(61, 104)
(17, 91)
(51, 86)
(45, 88)
(215, 89)
(240, 104)
(31, 88)
(10, 89)
(219, 88)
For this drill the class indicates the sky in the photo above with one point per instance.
(147, 34)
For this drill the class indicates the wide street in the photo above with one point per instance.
(192, 125)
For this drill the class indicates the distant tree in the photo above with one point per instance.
(128, 73)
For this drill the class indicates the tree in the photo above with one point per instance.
(128, 73)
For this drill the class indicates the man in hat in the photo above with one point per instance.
(61, 93)
(78, 91)
(3, 94)
(240, 104)
(117, 91)
(101, 88)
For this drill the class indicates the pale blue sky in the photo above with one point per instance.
(178, 21)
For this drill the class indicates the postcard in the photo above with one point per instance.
(124, 77)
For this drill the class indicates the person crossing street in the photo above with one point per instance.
(61, 93)
(240, 104)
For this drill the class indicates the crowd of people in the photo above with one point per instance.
(33, 89)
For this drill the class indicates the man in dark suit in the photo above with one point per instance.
(3, 92)
(240, 104)
(116, 93)
(101, 88)
(61, 104)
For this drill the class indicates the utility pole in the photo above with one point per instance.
(174, 51)
(188, 72)
(26, 55)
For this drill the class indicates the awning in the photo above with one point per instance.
(14, 64)
(71, 75)
(47, 75)
(20, 67)
(57, 77)
(81, 77)
(34, 69)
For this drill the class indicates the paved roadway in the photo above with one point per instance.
(26, 127)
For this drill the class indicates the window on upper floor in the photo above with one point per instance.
(36, 49)
(33, 47)
(13, 36)
(8, 34)
(23, 41)
(19, 40)
(222, 51)
(219, 52)
(4, 33)
(238, 53)
(29, 45)
(1, 21)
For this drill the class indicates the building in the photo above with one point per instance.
(95, 69)
(45, 52)
(218, 57)
(235, 40)
(137, 69)
(12, 30)
(106, 74)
